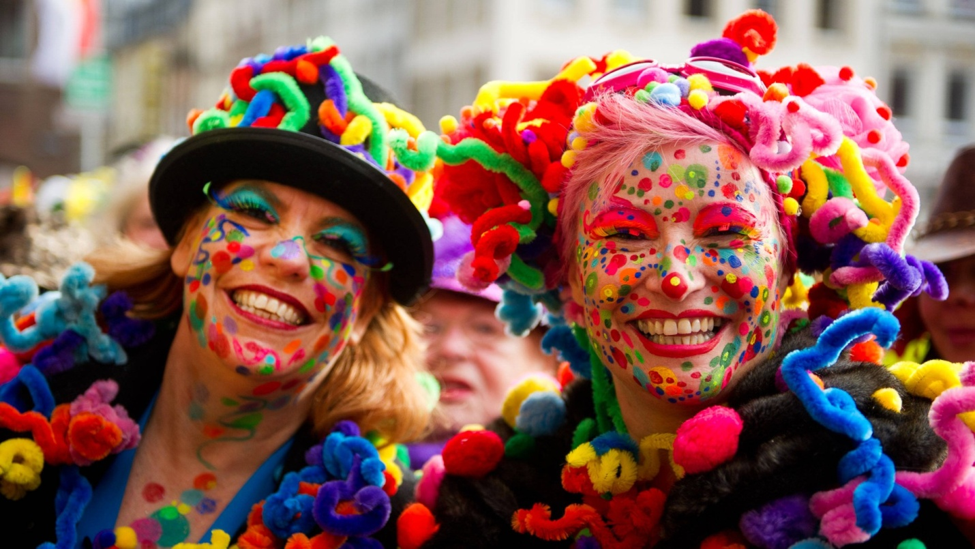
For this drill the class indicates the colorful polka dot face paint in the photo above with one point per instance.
(276, 280)
(679, 269)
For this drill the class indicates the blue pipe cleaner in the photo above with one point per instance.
(129, 332)
(340, 452)
(334, 88)
(560, 339)
(828, 408)
(259, 106)
(36, 384)
(518, 312)
(72, 497)
(286, 512)
(612, 440)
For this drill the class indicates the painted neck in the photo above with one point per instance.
(213, 413)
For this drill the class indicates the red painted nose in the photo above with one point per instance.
(673, 286)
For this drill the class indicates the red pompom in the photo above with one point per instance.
(846, 73)
(733, 114)
(92, 436)
(868, 351)
(708, 439)
(564, 374)
(805, 80)
(754, 29)
(390, 485)
(793, 106)
(903, 160)
(884, 112)
(472, 453)
(798, 188)
(874, 136)
(724, 540)
(415, 526)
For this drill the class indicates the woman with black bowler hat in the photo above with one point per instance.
(275, 321)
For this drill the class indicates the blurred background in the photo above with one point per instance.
(85, 81)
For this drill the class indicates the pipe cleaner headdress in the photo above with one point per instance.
(302, 117)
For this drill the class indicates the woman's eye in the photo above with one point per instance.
(340, 245)
(249, 205)
(620, 233)
(729, 231)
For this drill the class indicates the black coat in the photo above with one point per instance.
(782, 451)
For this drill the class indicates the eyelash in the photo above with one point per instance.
(345, 245)
(620, 233)
(250, 206)
(730, 230)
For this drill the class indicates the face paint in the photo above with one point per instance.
(242, 309)
(679, 261)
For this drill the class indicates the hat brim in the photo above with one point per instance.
(304, 162)
(944, 246)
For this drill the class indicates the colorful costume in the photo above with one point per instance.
(802, 456)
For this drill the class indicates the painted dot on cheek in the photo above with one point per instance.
(247, 265)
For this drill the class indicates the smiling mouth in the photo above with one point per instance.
(268, 307)
(682, 331)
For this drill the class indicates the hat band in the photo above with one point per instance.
(948, 221)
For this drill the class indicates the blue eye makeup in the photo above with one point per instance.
(347, 238)
(246, 201)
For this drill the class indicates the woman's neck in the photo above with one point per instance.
(645, 414)
(208, 414)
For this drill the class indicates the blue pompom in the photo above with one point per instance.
(542, 413)
(683, 85)
(666, 94)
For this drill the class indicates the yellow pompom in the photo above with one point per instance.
(553, 206)
(697, 99)
(448, 124)
(583, 119)
(889, 398)
(218, 540)
(568, 159)
(699, 82)
(472, 427)
(517, 395)
(579, 143)
(791, 206)
(125, 538)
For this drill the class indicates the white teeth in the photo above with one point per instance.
(670, 327)
(683, 331)
(267, 307)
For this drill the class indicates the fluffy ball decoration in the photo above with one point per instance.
(428, 487)
(415, 526)
(707, 439)
(779, 524)
(517, 395)
(472, 453)
(9, 365)
(541, 413)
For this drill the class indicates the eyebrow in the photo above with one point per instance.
(725, 214)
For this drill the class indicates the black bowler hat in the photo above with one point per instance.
(303, 118)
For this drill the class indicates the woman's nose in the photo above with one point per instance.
(682, 279)
(288, 259)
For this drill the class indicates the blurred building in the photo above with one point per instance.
(168, 56)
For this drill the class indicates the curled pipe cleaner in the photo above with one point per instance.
(288, 512)
(560, 338)
(831, 408)
(952, 485)
(370, 502)
(37, 387)
(74, 493)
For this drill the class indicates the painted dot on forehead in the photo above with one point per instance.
(652, 160)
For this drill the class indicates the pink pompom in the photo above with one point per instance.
(9, 365)
(429, 486)
(708, 439)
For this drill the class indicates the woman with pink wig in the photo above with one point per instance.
(719, 252)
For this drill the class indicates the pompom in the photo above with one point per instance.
(722, 48)
(517, 395)
(472, 453)
(754, 29)
(541, 413)
(708, 439)
(415, 526)
(780, 523)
